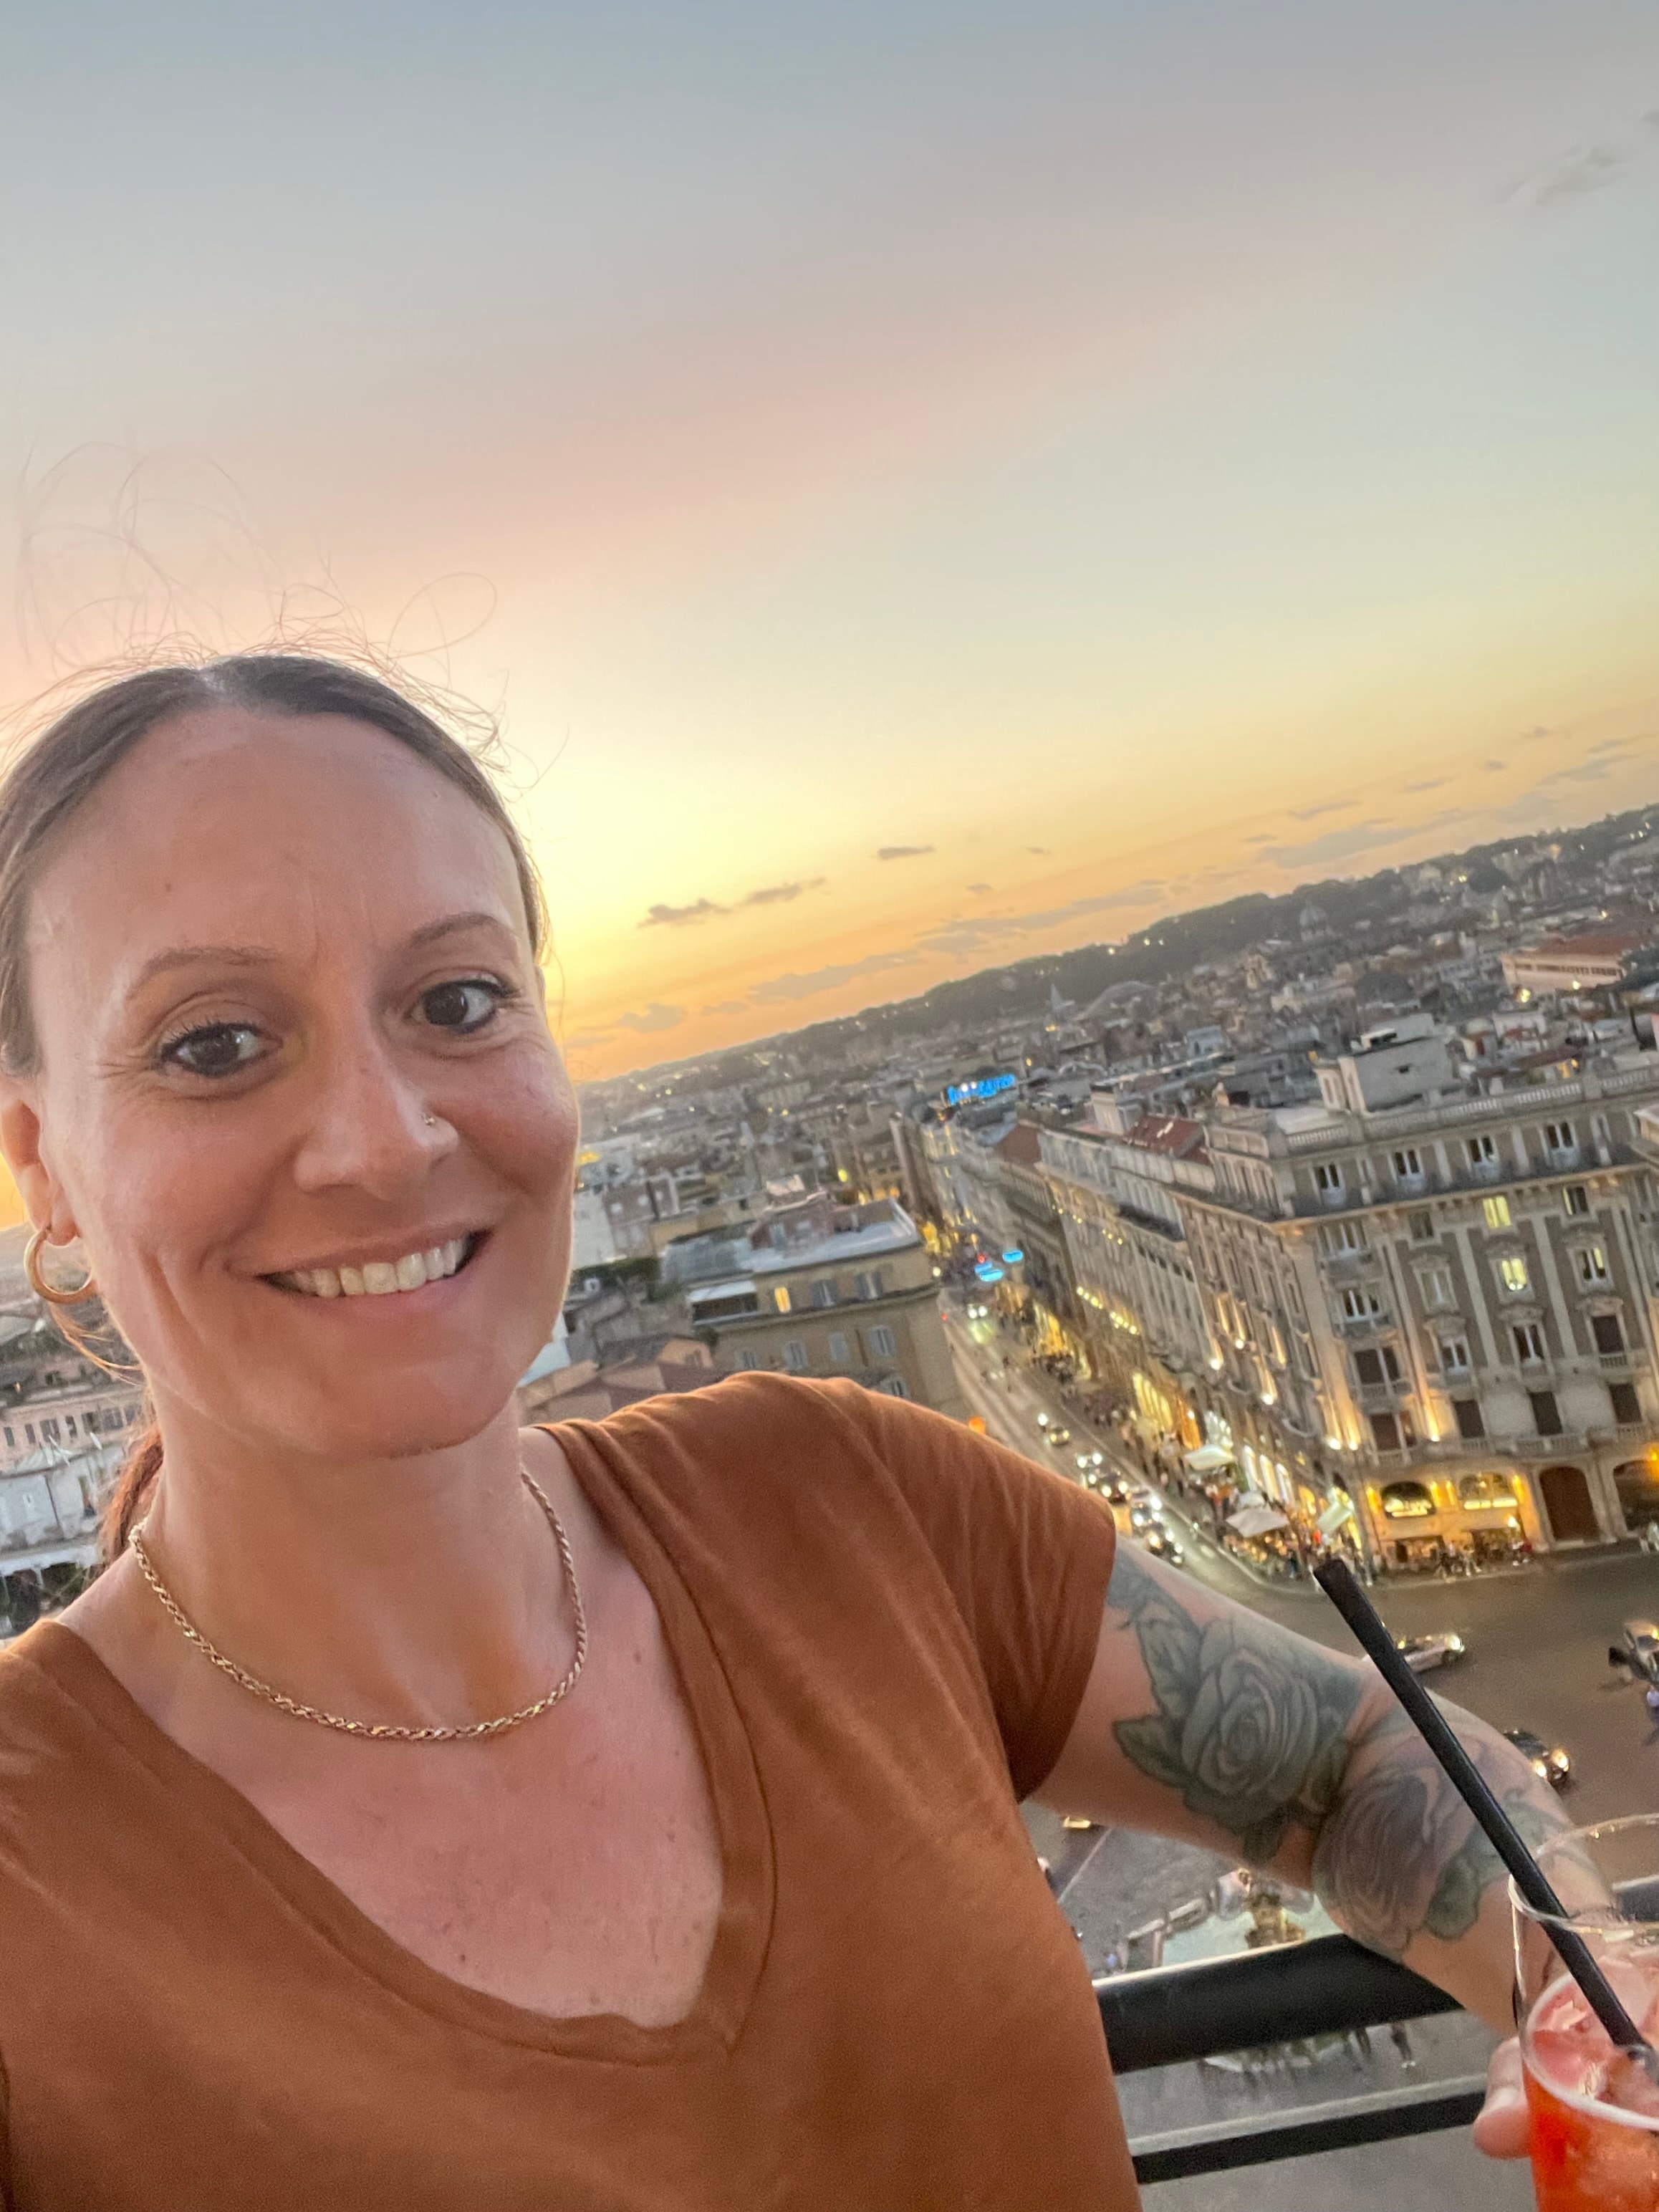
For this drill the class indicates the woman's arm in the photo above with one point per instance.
(1204, 1721)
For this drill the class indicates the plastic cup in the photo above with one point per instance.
(1594, 2113)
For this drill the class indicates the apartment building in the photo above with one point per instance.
(1115, 1179)
(824, 1289)
(1447, 1304)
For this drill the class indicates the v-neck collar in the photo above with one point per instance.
(748, 1869)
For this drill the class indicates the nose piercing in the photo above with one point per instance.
(430, 1119)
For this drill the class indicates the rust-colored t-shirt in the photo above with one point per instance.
(884, 1624)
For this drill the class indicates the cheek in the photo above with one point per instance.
(526, 1125)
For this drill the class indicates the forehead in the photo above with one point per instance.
(232, 827)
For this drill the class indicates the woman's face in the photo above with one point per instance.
(261, 954)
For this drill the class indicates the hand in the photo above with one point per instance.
(1500, 2129)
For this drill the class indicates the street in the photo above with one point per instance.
(1538, 1635)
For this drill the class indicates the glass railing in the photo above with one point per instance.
(1295, 2050)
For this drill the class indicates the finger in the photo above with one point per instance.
(1500, 2129)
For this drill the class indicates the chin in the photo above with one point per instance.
(391, 1417)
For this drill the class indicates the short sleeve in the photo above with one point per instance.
(1027, 1556)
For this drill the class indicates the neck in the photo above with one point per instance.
(422, 1591)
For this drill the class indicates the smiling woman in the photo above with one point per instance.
(421, 1813)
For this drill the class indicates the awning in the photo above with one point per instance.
(1339, 1510)
(1257, 1519)
(1208, 1459)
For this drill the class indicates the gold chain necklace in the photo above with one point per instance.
(384, 1731)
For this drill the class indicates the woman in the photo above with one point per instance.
(422, 1812)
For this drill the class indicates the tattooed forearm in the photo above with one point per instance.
(1400, 1854)
(1252, 1724)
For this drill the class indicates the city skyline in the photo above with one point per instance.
(921, 489)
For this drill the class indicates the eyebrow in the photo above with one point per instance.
(262, 956)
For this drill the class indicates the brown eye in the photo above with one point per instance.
(218, 1048)
(461, 1008)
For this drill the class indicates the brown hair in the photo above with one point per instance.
(70, 758)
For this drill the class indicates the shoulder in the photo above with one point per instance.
(754, 1432)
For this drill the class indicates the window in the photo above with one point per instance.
(1407, 1501)
(894, 1385)
(1545, 1413)
(1627, 1405)
(1377, 1367)
(1421, 1224)
(837, 1350)
(1529, 1347)
(1479, 1493)
(795, 1356)
(1385, 1434)
(1483, 1152)
(1436, 1283)
(1470, 1426)
(1560, 1138)
(68, 1423)
(1592, 1263)
(1608, 1332)
(1497, 1211)
(882, 1342)
(10, 1438)
(1512, 1274)
(1328, 1178)
(745, 1360)
(824, 1291)
(28, 1431)
(49, 1429)
(1574, 1199)
(1455, 1355)
(1345, 1237)
(1409, 1165)
(781, 1297)
(868, 1287)
(1361, 1305)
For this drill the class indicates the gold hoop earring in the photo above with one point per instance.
(39, 1285)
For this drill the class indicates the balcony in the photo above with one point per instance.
(1383, 1395)
(1616, 1363)
(1313, 1999)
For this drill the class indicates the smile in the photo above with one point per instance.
(381, 1278)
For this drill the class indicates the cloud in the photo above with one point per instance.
(1572, 175)
(1261, 837)
(979, 889)
(726, 1006)
(1430, 783)
(1040, 850)
(655, 1018)
(1326, 806)
(784, 990)
(972, 932)
(902, 852)
(1335, 844)
(1496, 768)
(777, 894)
(590, 1040)
(677, 917)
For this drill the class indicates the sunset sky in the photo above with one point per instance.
(921, 485)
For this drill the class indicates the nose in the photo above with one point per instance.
(368, 1126)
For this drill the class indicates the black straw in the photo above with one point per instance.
(1335, 1577)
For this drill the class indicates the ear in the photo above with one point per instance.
(43, 1197)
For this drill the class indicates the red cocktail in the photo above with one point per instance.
(1593, 2135)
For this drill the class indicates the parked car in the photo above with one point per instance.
(1549, 1763)
(1638, 1641)
(1058, 1438)
(1163, 1545)
(1423, 1653)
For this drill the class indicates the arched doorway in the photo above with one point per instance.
(1636, 1482)
(1567, 1502)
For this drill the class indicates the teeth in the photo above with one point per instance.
(377, 1279)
